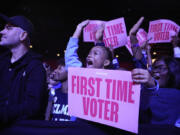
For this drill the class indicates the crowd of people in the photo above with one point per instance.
(31, 90)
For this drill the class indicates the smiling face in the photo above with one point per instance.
(10, 36)
(160, 72)
(97, 58)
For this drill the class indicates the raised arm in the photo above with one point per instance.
(134, 42)
(71, 56)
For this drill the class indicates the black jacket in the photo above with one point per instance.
(22, 88)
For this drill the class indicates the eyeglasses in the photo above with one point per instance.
(159, 68)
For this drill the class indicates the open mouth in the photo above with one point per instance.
(89, 63)
(156, 76)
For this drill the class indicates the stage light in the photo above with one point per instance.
(153, 60)
(30, 46)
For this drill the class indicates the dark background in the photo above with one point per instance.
(56, 20)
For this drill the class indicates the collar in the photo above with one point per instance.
(57, 86)
(24, 60)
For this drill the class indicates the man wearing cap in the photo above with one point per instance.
(22, 76)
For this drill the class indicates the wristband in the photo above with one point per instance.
(135, 45)
(100, 44)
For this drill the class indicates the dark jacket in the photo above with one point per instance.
(160, 107)
(22, 88)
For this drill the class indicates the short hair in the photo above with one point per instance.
(109, 56)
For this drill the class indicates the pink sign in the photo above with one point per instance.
(141, 36)
(128, 45)
(90, 29)
(160, 30)
(104, 96)
(115, 33)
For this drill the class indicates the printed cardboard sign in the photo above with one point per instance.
(104, 96)
(128, 45)
(161, 31)
(115, 34)
(90, 29)
(141, 36)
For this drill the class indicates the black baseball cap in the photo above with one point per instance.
(20, 21)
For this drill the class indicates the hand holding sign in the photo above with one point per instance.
(79, 28)
(136, 50)
(99, 33)
(114, 32)
(90, 30)
(105, 96)
(142, 76)
(141, 36)
(83, 24)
